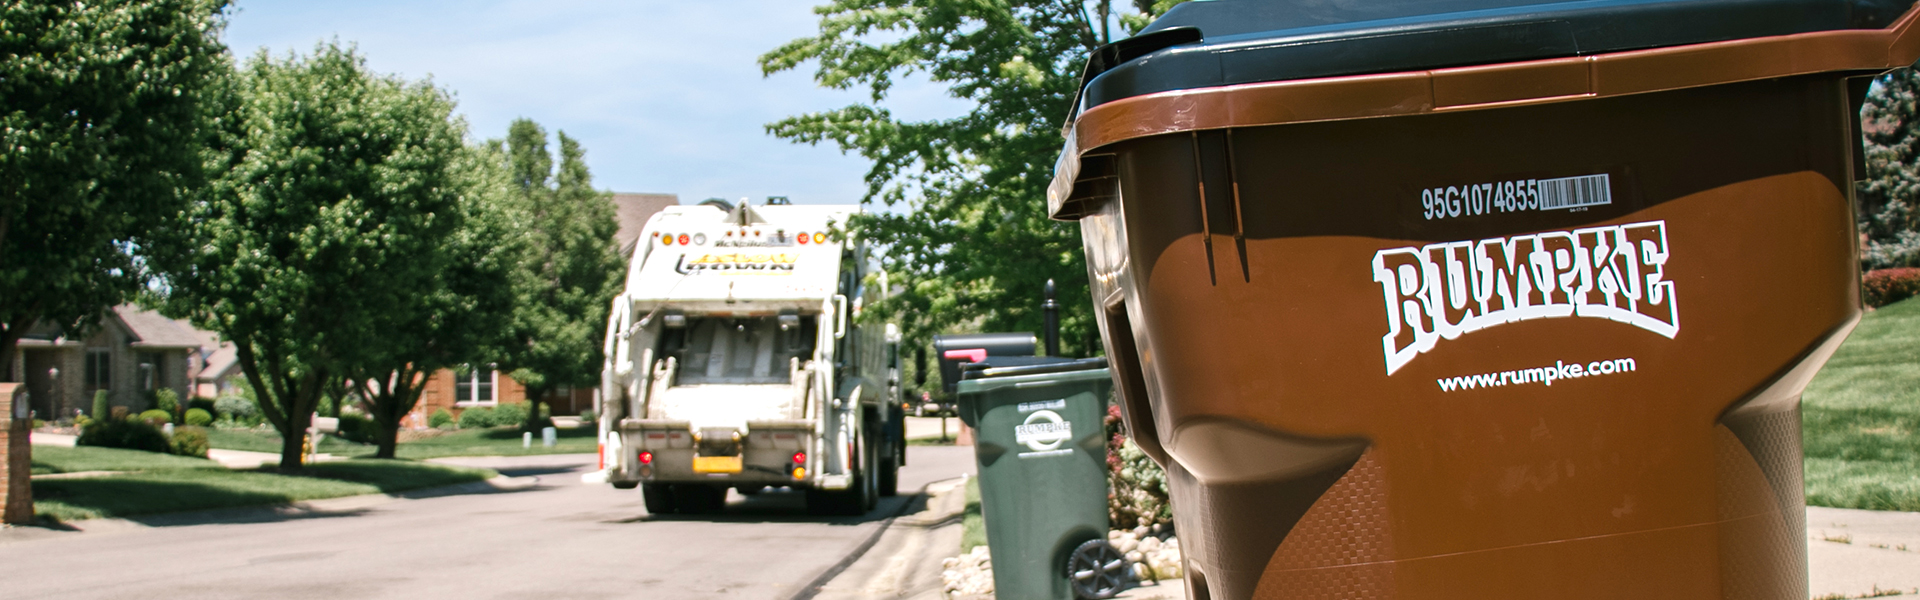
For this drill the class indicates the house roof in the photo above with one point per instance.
(151, 330)
(632, 212)
(221, 364)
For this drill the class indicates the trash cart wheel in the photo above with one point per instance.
(1097, 570)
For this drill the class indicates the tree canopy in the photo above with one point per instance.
(966, 233)
(329, 184)
(1890, 195)
(571, 270)
(460, 310)
(100, 105)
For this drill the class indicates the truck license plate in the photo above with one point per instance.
(716, 464)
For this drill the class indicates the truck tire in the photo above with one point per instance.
(854, 501)
(889, 478)
(659, 498)
(871, 469)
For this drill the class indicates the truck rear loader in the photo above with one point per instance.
(735, 359)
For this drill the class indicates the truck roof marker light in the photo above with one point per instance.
(646, 457)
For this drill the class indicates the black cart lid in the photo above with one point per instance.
(1209, 43)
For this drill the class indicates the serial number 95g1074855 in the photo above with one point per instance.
(1514, 196)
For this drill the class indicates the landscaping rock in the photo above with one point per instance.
(970, 576)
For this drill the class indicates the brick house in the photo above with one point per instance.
(132, 353)
(483, 386)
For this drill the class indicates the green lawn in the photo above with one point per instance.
(1861, 416)
(254, 440)
(498, 441)
(973, 525)
(161, 483)
(57, 459)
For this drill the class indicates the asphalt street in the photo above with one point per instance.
(557, 539)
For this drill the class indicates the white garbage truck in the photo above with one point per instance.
(736, 360)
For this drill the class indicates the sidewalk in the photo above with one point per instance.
(232, 459)
(1862, 553)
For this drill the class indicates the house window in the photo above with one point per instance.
(474, 385)
(99, 368)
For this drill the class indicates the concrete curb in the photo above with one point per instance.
(322, 508)
(813, 588)
(855, 576)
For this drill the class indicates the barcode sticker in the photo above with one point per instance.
(1575, 192)
(1516, 195)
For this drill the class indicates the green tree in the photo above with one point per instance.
(330, 182)
(570, 272)
(100, 103)
(459, 313)
(973, 248)
(1890, 195)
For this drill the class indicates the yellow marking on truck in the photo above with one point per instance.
(716, 464)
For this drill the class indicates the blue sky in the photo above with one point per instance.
(665, 96)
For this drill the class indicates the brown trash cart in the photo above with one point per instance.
(1467, 300)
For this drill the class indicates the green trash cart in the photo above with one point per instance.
(1040, 445)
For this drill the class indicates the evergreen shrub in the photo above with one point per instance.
(510, 414)
(165, 400)
(101, 408)
(356, 427)
(198, 417)
(129, 435)
(477, 418)
(238, 408)
(190, 441)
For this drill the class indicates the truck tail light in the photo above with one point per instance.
(799, 473)
(646, 457)
(799, 458)
(804, 238)
(683, 239)
(603, 456)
